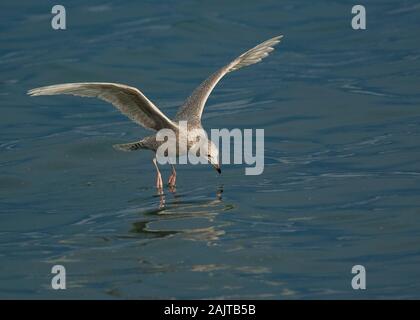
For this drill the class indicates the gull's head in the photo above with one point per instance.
(205, 149)
(213, 156)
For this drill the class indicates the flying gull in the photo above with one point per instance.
(136, 106)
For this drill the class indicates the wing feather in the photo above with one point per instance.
(194, 105)
(129, 100)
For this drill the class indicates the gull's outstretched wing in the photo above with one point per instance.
(193, 107)
(130, 101)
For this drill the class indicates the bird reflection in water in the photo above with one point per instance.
(172, 190)
(191, 218)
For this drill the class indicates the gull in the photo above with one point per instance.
(136, 106)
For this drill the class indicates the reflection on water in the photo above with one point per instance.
(163, 221)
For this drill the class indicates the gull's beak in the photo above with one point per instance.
(217, 168)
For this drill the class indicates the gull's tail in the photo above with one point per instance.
(254, 55)
(131, 146)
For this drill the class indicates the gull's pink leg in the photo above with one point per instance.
(159, 183)
(172, 178)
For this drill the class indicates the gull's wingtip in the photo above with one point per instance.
(34, 92)
(47, 90)
(276, 39)
(255, 54)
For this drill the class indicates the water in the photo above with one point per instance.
(340, 109)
